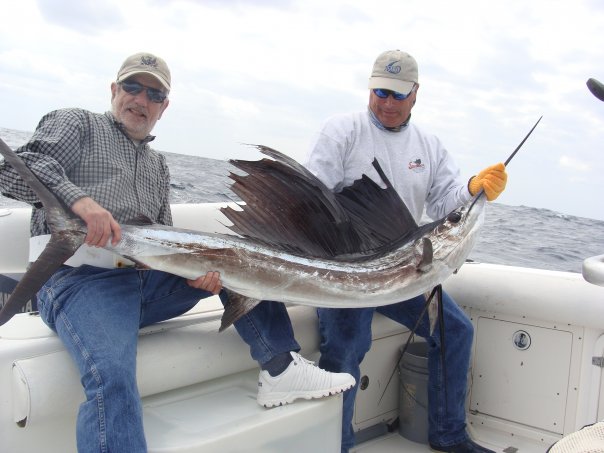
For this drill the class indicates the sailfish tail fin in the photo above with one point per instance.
(54, 255)
(67, 234)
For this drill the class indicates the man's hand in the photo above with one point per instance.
(209, 282)
(100, 223)
(492, 179)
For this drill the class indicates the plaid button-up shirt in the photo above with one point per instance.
(77, 153)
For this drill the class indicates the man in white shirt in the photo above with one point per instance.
(425, 176)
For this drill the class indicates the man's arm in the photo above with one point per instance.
(100, 223)
(54, 147)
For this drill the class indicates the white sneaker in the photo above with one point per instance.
(301, 379)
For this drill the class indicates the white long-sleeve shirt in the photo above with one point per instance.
(418, 166)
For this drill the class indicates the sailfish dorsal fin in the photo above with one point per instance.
(286, 206)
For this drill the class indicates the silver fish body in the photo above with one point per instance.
(294, 241)
(253, 270)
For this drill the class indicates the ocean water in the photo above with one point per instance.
(512, 235)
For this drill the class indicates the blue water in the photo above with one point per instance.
(512, 235)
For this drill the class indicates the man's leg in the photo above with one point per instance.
(268, 331)
(446, 412)
(345, 339)
(96, 314)
(166, 296)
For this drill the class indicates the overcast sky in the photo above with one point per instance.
(271, 71)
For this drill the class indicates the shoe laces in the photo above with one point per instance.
(299, 358)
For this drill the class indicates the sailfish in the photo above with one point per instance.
(293, 240)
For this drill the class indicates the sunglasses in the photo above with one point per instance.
(153, 94)
(383, 94)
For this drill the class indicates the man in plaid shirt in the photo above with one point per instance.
(102, 167)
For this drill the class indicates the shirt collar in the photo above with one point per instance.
(120, 126)
(379, 124)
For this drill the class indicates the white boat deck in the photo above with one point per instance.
(394, 442)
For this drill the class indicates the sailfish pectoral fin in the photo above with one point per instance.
(427, 255)
(57, 251)
(235, 307)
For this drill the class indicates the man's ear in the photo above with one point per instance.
(113, 90)
(415, 94)
(163, 108)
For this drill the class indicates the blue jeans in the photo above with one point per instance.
(267, 330)
(346, 337)
(97, 314)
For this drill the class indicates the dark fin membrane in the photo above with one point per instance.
(236, 307)
(68, 232)
(370, 206)
(289, 208)
(54, 255)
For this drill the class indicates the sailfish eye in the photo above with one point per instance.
(454, 217)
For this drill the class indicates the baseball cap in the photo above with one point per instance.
(394, 70)
(147, 63)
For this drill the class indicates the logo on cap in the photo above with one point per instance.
(148, 60)
(392, 69)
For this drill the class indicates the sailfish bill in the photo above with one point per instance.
(294, 241)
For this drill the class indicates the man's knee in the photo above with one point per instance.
(345, 338)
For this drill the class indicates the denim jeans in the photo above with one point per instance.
(346, 337)
(267, 330)
(97, 314)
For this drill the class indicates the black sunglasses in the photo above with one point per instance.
(153, 94)
(383, 94)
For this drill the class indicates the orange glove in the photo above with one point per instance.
(492, 180)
